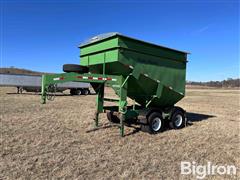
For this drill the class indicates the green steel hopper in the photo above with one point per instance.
(153, 76)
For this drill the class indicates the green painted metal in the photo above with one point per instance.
(118, 82)
(157, 74)
(151, 75)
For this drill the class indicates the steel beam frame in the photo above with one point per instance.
(98, 82)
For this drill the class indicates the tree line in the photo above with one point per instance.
(230, 82)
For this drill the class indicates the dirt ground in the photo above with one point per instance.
(55, 140)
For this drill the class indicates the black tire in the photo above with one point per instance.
(156, 122)
(79, 91)
(177, 119)
(75, 68)
(112, 118)
(72, 92)
(86, 91)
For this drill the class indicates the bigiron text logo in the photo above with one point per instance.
(209, 169)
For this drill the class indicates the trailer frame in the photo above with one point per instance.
(98, 82)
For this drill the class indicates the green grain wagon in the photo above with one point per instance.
(153, 76)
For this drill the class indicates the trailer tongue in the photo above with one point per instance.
(153, 76)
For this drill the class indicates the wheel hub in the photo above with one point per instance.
(178, 120)
(156, 124)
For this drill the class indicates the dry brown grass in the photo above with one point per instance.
(50, 141)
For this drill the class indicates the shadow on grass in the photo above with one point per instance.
(111, 125)
(191, 117)
(135, 125)
(194, 117)
(135, 130)
(103, 126)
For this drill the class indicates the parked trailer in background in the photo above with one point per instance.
(33, 83)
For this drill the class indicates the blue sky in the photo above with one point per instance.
(44, 35)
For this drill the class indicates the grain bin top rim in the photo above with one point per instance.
(102, 37)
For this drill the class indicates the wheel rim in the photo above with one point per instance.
(178, 120)
(156, 124)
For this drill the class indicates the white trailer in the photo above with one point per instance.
(32, 83)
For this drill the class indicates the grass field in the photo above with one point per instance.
(55, 140)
